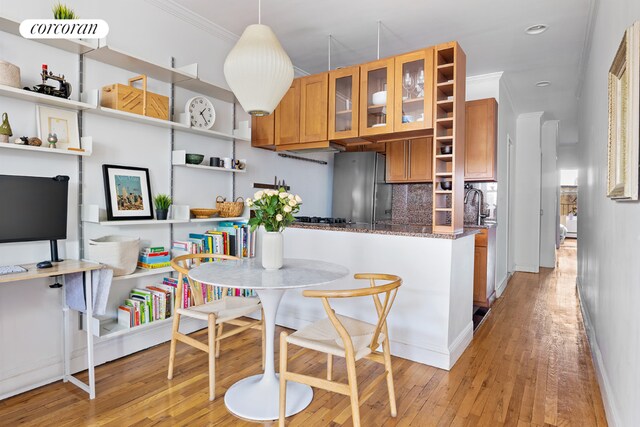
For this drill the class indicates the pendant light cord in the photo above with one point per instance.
(378, 39)
(259, 11)
(329, 53)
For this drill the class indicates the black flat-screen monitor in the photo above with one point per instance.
(33, 208)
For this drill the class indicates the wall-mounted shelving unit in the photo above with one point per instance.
(79, 47)
(40, 98)
(85, 142)
(212, 168)
(152, 121)
(121, 59)
(183, 77)
(179, 158)
(449, 119)
(219, 219)
(143, 272)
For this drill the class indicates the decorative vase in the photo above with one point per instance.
(272, 250)
(161, 214)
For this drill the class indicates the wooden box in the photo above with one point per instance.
(133, 100)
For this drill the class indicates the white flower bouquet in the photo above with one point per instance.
(274, 209)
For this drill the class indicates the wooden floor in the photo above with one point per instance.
(529, 364)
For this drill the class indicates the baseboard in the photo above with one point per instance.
(106, 350)
(441, 358)
(28, 381)
(502, 286)
(613, 418)
(527, 268)
(460, 344)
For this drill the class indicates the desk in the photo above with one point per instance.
(257, 398)
(60, 269)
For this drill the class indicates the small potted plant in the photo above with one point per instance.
(274, 210)
(162, 203)
(62, 11)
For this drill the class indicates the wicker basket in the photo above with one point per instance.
(229, 209)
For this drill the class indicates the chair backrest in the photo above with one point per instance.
(389, 290)
(183, 263)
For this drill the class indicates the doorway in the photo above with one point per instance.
(568, 207)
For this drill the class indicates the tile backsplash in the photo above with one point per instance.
(413, 203)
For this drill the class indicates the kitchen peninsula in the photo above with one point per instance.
(432, 318)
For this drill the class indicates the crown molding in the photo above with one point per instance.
(482, 77)
(586, 48)
(194, 19)
(198, 21)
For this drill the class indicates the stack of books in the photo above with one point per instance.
(146, 305)
(154, 257)
(209, 292)
(228, 238)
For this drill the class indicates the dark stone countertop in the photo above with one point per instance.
(483, 226)
(388, 229)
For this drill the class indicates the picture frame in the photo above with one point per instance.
(127, 192)
(64, 123)
(624, 118)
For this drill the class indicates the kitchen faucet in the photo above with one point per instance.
(475, 191)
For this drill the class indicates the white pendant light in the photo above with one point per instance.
(258, 70)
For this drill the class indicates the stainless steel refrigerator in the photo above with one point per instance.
(360, 193)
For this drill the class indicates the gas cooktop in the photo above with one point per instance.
(320, 220)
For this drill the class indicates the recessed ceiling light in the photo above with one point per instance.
(536, 29)
(543, 83)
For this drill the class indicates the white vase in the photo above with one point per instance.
(272, 249)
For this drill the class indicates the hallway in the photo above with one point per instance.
(529, 365)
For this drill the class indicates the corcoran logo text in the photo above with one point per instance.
(64, 28)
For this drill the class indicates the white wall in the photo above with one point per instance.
(569, 156)
(36, 358)
(549, 199)
(506, 185)
(526, 203)
(608, 271)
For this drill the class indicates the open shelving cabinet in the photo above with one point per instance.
(449, 130)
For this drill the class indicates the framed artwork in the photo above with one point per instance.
(64, 123)
(624, 118)
(128, 193)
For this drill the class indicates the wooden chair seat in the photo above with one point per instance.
(225, 309)
(343, 336)
(322, 336)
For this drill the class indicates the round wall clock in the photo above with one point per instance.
(201, 112)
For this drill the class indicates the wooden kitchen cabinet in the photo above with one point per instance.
(263, 131)
(409, 161)
(287, 121)
(396, 161)
(413, 88)
(376, 115)
(484, 273)
(314, 107)
(480, 146)
(344, 97)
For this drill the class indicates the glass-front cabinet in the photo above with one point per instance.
(376, 97)
(344, 94)
(413, 91)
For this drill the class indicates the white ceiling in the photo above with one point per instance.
(490, 31)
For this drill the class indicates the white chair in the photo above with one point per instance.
(346, 337)
(227, 309)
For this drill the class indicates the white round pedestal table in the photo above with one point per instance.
(257, 397)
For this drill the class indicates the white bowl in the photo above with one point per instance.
(379, 98)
